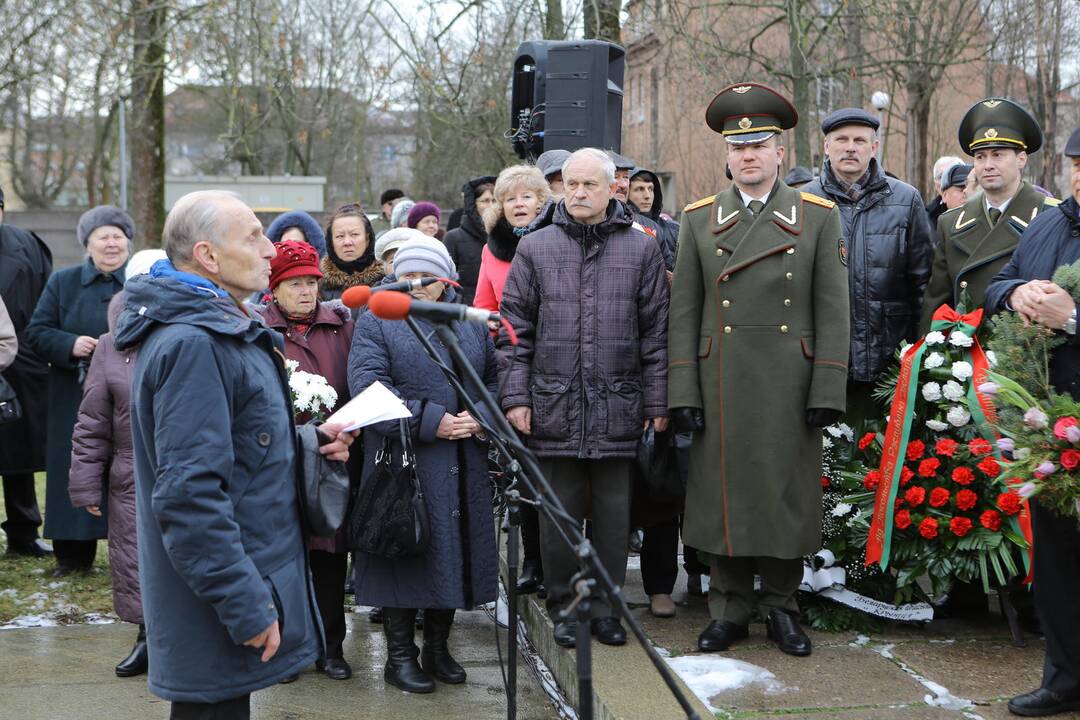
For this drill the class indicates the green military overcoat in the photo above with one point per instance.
(970, 251)
(758, 333)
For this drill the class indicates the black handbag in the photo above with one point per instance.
(659, 466)
(390, 517)
(324, 485)
(10, 409)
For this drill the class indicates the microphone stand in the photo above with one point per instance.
(592, 573)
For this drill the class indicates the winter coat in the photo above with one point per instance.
(335, 281)
(499, 250)
(459, 568)
(323, 351)
(1050, 241)
(25, 266)
(466, 241)
(9, 341)
(221, 552)
(758, 336)
(102, 462)
(667, 230)
(970, 252)
(589, 304)
(889, 249)
(307, 225)
(75, 302)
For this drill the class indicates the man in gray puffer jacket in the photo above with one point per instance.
(888, 250)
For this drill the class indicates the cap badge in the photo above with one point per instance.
(745, 124)
(990, 133)
(991, 103)
(741, 89)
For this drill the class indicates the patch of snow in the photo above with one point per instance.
(710, 676)
(35, 600)
(950, 641)
(99, 619)
(860, 641)
(29, 621)
(939, 695)
(884, 651)
(56, 584)
(9, 592)
(37, 571)
(662, 652)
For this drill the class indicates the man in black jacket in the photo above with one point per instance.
(888, 250)
(25, 265)
(465, 243)
(1023, 285)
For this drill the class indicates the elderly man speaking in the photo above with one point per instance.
(229, 606)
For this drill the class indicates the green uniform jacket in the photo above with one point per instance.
(758, 333)
(970, 252)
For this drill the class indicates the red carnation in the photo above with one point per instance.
(906, 474)
(915, 449)
(929, 467)
(1009, 502)
(960, 526)
(865, 440)
(938, 497)
(1070, 459)
(992, 468)
(871, 480)
(915, 496)
(945, 447)
(1062, 425)
(963, 476)
(979, 446)
(928, 528)
(903, 519)
(991, 520)
(824, 481)
(966, 499)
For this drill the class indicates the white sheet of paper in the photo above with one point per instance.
(375, 404)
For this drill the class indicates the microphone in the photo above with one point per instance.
(398, 306)
(359, 295)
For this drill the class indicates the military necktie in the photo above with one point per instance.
(755, 206)
(995, 215)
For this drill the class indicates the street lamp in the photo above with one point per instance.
(880, 101)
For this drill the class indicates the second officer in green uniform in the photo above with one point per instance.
(758, 339)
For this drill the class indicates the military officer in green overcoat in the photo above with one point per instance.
(758, 359)
(977, 239)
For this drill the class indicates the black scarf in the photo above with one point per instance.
(350, 266)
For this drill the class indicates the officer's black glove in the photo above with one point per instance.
(687, 420)
(822, 417)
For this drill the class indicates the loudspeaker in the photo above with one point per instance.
(566, 95)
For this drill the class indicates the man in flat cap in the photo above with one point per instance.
(1023, 285)
(977, 239)
(889, 250)
(758, 349)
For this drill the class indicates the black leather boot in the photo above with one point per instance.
(138, 660)
(530, 578)
(402, 670)
(436, 659)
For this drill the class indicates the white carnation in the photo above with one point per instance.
(931, 392)
(826, 443)
(936, 425)
(841, 509)
(958, 416)
(935, 338)
(292, 366)
(959, 339)
(953, 390)
(962, 370)
(934, 360)
(847, 432)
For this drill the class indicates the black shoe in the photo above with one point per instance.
(138, 660)
(29, 548)
(782, 628)
(530, 578)
(435, 658)
(289, 679)
(402, 670)
(335, 668)
(608, 630)
(376, 615)
(565, 633)
(720, 634)
(1042, 702)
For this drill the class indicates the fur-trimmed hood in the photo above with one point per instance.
(298, 219)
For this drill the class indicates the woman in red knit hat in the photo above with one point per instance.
(318, 335)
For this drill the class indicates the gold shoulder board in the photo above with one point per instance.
(700, 203)
(812, 198)
(1052, 202)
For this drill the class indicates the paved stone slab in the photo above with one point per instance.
(918, 711)
(978, 670)
(1000, 711)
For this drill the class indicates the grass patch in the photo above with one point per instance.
(28, 588)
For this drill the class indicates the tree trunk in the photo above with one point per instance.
(918, 128)
(554, 28)
(148, 121)
(800, 83)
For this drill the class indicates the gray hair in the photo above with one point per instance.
(606, 163)
(195, 217)
(944, 163)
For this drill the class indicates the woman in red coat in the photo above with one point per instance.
(318, 335)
